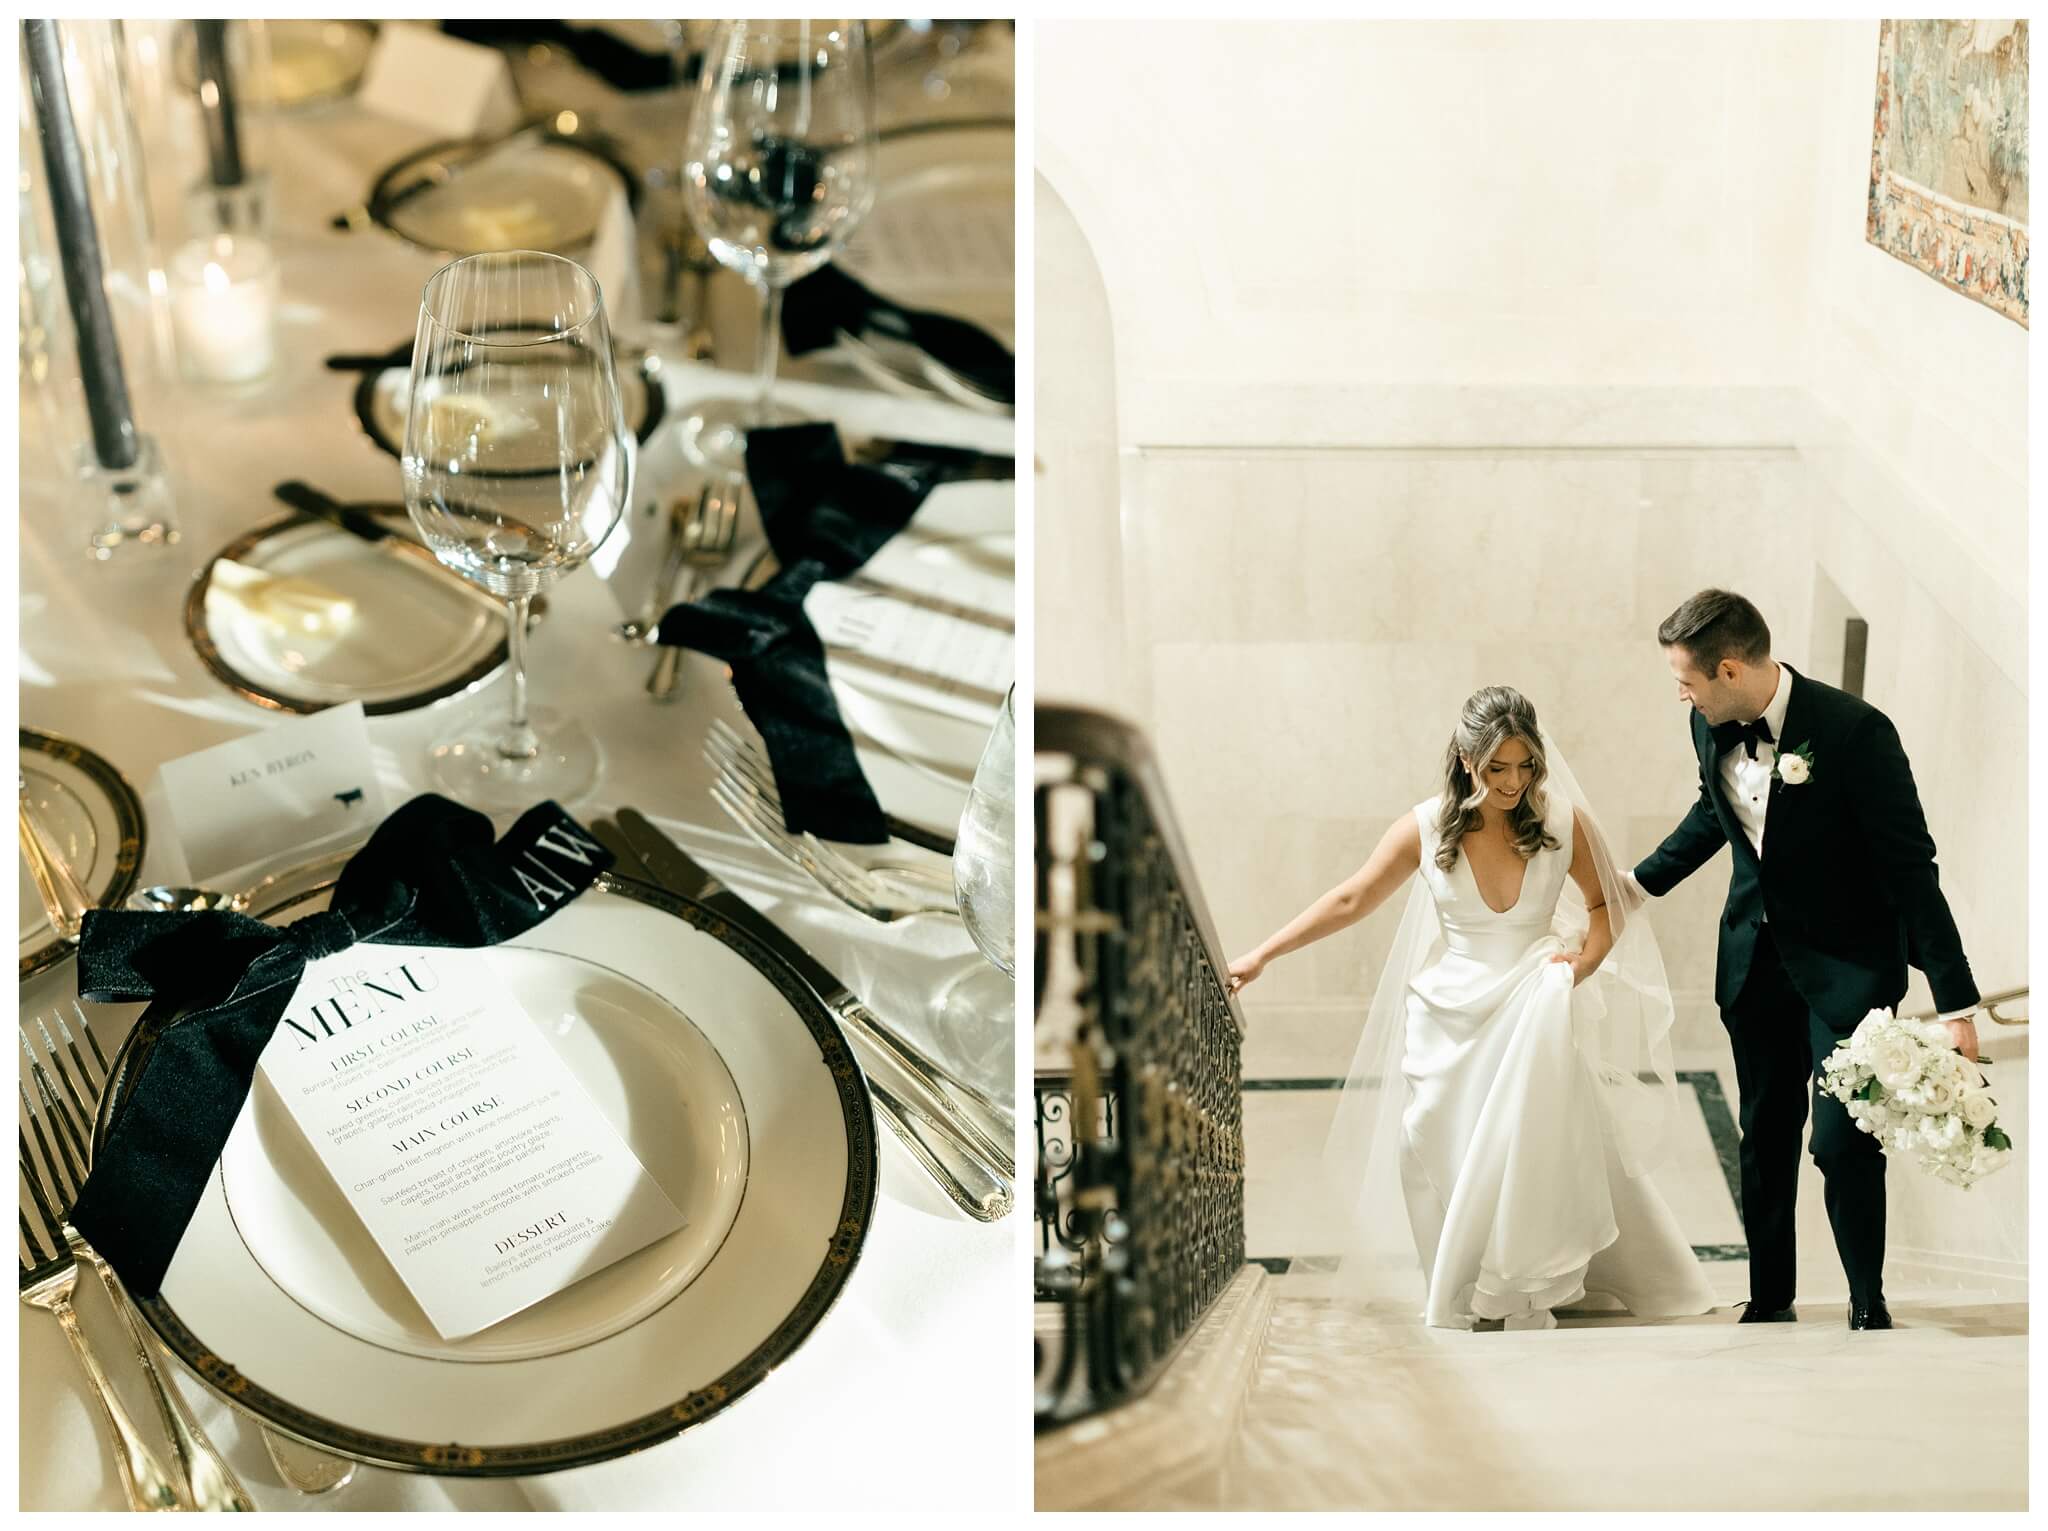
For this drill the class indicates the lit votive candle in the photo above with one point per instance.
(224, 308)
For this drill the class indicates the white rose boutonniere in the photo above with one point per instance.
(1795, 767)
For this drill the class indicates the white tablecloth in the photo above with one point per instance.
(908, 1395)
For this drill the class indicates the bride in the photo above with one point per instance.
(1520, 1041)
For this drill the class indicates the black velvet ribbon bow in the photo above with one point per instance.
(824, 518)
(817, 307)
(429, 876)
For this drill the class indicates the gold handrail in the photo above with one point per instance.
(1989, 1005)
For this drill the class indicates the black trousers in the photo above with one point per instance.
(1779, 1046)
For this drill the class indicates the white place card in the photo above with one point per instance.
(929, 618)
(294, 787)
(916, 646)
(482, 1170)
(451, 88)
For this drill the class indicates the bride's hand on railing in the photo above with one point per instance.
(1243, 970)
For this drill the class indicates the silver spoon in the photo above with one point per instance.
(166, 898)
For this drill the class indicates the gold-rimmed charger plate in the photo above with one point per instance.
(94, 819)
(577, 1386)
(383, 397)
(414, 637)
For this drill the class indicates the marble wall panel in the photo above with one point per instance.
(1080, 648)
(1316, 617)
(1312, 618)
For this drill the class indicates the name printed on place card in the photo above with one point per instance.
(289, 788)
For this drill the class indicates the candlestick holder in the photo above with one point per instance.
(240, 211)
(132, 503)
(224, 285)
(81, 153)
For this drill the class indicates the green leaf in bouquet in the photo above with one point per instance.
(1995, 1137)
(1870, 1090)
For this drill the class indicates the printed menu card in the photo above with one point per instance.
(482, 1170)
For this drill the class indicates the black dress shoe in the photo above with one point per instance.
(1753, 1314)
(1869, 1315)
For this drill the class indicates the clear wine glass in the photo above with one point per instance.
(976, 1010)
(985, 852)
(778, 170)
(518, 462)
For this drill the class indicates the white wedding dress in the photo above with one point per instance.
(1516, 1193)
(1513, 1117)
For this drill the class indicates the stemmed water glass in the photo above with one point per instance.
(985, 854)
(518, 462)
(979, 1006)
(778, 170)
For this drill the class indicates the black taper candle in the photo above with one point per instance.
(217, 106)
(114, 441)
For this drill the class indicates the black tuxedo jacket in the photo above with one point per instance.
(1847, 876)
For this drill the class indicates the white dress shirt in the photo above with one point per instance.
(1746, 783)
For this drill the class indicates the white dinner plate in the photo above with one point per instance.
(384, 396)
(310, 62)
(731, 1084)
(942, 234)
(518, 195)
(94, 821)
(411, 636)
(921, 731)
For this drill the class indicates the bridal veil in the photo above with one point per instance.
(1621, 1025)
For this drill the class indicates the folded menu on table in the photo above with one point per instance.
(484, 1173)
(373, 1010)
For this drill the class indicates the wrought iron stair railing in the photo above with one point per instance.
(1140, 1176)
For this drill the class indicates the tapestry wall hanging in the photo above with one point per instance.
(1948, 158)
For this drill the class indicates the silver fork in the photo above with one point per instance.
(732, 746)
(640, 629)
(211, 1483)
(49, 1275)
(881, 893)
(708, 540)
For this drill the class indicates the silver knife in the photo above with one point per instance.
(987, 1145)
(947, 464)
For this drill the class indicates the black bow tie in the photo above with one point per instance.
(1728, 735)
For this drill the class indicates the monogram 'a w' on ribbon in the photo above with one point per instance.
(220, 982)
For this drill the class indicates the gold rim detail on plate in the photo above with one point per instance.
(836, 1262)
(128, 823)
(252, 690)
(643, 364)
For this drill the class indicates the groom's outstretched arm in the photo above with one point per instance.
(1684, 851)
(1888, 808)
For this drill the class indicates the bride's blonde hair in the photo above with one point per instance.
(1491, 716)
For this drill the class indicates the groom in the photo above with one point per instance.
(1833, 893)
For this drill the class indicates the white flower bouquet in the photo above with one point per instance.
(1906, 1086)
